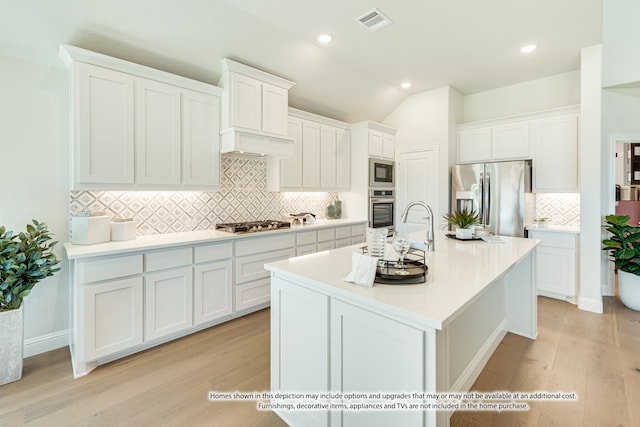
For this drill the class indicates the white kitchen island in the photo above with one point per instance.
(328, 335)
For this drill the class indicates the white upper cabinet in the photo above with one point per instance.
(321, 159)
(556, 167)
(494, 142)
(378, 139)
(136, 128)
(200, 139)
(158, 138)
(103, 126)
(550, 138)
(254, 111)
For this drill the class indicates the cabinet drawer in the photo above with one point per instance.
(214, 252)
(171, 258)
(305, 249)
(343, 232)
(251, 267)
(326, 234)
(341, 243)
(305, 238)
(109, 268)
(358, 230)
(555, 239)
(325, 246)
(253, 294)
(257, 245)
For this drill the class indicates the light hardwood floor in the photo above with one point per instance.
(594, 355)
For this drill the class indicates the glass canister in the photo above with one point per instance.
(376, 242)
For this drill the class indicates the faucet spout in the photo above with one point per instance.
(429, 242)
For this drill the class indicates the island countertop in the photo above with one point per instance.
(458, 273)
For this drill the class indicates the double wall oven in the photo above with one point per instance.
(381, 194)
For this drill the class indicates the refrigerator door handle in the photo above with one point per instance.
(487, 201)
(481, 198)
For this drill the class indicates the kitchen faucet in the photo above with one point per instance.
(430, 235)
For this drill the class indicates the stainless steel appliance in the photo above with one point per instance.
(499, 192)
(381, 173)
(252, 226)
(381, 209)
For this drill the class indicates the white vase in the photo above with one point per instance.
(464, 233)
(629, 289)
(11, 349)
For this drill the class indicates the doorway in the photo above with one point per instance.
(418, 171)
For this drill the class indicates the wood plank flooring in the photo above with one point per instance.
(594, 355)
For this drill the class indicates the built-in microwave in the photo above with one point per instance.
(380, 173)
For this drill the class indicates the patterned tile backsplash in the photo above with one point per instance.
(243, 196)
(560, 208)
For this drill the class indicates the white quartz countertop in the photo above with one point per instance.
(158, 241)
(458, 273)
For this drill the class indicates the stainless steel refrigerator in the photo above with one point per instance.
(500, 192)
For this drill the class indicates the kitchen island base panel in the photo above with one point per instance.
(323, 342)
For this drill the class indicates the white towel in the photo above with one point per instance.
(492, 239)
(363, 270)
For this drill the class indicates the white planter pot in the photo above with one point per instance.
(464, 233)
(629, 289)
(11, 350)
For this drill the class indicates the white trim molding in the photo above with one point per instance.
(44, 343)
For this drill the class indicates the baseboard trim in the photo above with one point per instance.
(44, 343)
(590, 304)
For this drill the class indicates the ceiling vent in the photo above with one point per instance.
(374, 20)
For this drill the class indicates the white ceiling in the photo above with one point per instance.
(472, 45)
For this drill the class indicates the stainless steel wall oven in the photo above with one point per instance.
(381, 209)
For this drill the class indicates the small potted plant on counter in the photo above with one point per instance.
(25, 259)
(463, 220)
(542, 222)
(624, 247)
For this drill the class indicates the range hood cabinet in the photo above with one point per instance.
(255, 112)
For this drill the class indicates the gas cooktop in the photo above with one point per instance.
(253, 226)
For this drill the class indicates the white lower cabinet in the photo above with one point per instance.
(319, 337)
(168, 302)
(212, 291)
(557, 264)
(122, 304)
(112, 317)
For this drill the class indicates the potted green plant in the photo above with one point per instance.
(542, 221)
(624, 247)
(25, 259)
(463, 220)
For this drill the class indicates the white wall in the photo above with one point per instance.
(429, 118)
(34, 185)
(620, 37)
(591, 178)
(556, 91)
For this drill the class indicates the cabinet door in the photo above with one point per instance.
(555, 167)
(474, 145)
(299, 346)
(104, 129)
(343, 167)
(275, 109)
(388, 146)
(157, 133)
(291, 169)
(200, 139)
(360, 343)
(375, 143)
(246, 102)
(328, 157)
(310, 154)
(168, 302)
(556, 270)
(510, 141)
(112, 318)
(213, 294)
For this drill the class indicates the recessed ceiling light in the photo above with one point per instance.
(405, 85)
(325, 38)
(528, 48)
